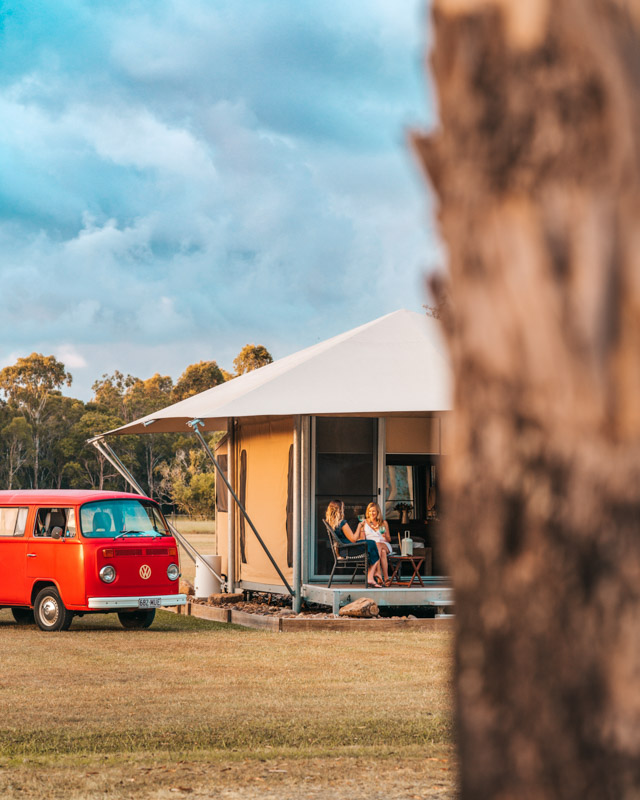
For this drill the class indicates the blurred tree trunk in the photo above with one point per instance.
(536, 168)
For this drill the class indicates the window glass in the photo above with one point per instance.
(70, 531)
(109, 519)
(21, 524)
(399, 491)
(222, 500)
(411, 487)
(8, 519)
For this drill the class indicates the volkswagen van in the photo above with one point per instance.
(65, 553)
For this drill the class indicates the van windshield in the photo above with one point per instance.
(112, 519)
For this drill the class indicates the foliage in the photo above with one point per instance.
(43, 433)
(29, 382)
(110, 391)
(16, 448)
(252, 356)
(197, 378)
(190, 485)
(84, 466)
(29, 385)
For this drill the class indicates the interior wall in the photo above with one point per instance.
(416, 434)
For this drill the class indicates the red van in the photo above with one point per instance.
(68, 552)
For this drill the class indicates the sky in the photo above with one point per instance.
(182, 177)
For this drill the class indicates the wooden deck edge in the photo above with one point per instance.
(293, 624)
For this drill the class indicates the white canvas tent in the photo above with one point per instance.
(394, 370)
(394, 365)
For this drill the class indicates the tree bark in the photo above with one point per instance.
(536, 168)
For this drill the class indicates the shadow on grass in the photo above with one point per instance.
(164, 621)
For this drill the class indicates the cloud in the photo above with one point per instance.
(70, 357)
(180, 178)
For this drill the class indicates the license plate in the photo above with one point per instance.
(148, 602)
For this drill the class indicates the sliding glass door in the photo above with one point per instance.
(345, 468)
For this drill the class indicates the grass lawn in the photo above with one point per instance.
(194, 708)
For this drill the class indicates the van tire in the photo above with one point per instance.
(49, 611)
(136, 620)
(23, 616)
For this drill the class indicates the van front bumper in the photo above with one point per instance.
(107, 603)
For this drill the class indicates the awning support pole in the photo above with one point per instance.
(107, 452)
(194, 425)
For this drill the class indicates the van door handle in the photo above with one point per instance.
(31, 555)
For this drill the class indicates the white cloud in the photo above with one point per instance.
(70, 357)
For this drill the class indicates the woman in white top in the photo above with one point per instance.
(377, 529)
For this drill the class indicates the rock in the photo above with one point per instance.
(363, 607)
(184, 587)
(222, 598)
(411, 616)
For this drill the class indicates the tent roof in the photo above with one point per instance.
(396, 364)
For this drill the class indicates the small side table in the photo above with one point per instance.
(397, 562)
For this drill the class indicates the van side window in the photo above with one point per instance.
(70, 530)
(21, 524)
(55, 520)
(13, 521)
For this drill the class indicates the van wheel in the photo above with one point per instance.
(136, 619)
(49, 612)
(23, 616)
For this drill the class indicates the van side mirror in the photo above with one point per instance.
(56, 533)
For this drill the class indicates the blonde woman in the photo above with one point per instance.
(375, 529)
(335, 517)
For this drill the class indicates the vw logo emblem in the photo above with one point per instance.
(145, 572)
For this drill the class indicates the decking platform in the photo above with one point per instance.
(439, 595)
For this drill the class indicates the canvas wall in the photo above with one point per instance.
(262, 475)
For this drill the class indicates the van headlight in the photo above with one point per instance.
(173, 573)
(108, 574)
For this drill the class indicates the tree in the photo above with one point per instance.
(252, 356)
(110, 392)
(16, 447)
(28, 385)
(537, 172)
(62, 414)
(130, 398)
(188, 483)
(197, 378)
(145, 397)
(142, 398)
(84, 466)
